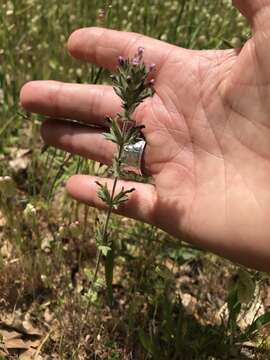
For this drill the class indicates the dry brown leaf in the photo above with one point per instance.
(8, 335)
(189, 302)
(3, 349)
(14, 321)
(246, 317)
(33, 343)
(19, 164)
(256, 309)
(16, 344)
(12, 340)
(29, 329)
(6, 249)
(20, 159)
(3, 353)
(48, 316)
(27, 355)
(30, 355)
(18, 153)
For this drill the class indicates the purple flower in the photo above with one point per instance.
(121, 61)
(140, 51)
(135, 61)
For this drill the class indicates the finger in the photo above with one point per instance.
(256, 11)
(103, 46)
(86, 103)
(256, 52)
(78, 139)
(84, 141)
(140, 204)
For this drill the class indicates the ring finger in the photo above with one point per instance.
(82, 140)
(85, 103)
(78, 139)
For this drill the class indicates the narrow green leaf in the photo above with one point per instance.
(110, 137)
(234, 307)
(146, 341)
(103, 193)
(121, 197)
(257, 324)
(118, 91)
(116, 132)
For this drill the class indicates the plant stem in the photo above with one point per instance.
(105, 231)
(109, 211)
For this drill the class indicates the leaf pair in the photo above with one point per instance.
(112, 201)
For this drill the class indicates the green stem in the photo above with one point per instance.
(109, 212)
(105, 230)
(104, 237)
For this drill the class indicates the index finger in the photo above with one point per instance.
(103, 46)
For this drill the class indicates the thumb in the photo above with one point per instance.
(246, 88)
(253, 65)
(256, 11)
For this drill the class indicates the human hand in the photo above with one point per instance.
(207, 130)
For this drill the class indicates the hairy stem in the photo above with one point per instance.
(110, 208)
(105, 231)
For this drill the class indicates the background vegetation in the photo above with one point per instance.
(171, 301)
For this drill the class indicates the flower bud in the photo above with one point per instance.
(135, 61)
(29, 212)
(121, 61)
(152, 67)
(7, 186)
(62, 232)
(140, 51)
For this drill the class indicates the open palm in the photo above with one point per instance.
(206, 128)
